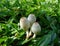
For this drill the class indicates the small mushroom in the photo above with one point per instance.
(36, 28)
(24, 24)
(31, 18)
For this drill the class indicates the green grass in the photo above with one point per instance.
(47, 14)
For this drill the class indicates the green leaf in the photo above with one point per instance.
(3, 39)
(47, 39)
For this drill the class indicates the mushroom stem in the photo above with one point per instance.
(34, 36)
(30, 33)
(27, 34)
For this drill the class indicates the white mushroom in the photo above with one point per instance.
(31, 18)
(35, 29)
(24, 24)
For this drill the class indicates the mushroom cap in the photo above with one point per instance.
(24, 23)
(36, 28)
(31, 18)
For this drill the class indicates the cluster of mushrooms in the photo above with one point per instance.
(30, 23)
